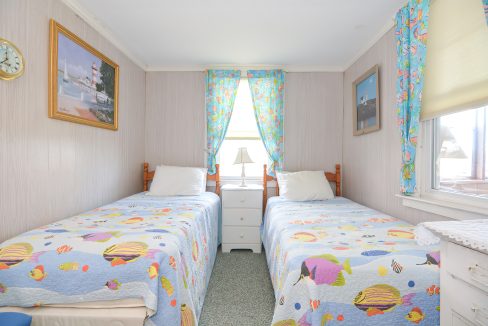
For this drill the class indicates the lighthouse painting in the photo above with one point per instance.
(83, 82)
(366, 103)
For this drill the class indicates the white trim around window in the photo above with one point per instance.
(452, 205)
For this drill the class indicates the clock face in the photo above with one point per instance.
(11, 61)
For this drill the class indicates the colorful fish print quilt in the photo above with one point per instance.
(337, 262)
(160, 249)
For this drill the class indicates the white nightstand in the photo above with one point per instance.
(242, 213)
(464, 272)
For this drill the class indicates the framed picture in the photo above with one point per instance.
(83, 83)
(366, 103)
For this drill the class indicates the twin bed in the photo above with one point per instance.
(336, 262)
(140, 260)
(148, 259)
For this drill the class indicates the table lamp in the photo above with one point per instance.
(243, 158)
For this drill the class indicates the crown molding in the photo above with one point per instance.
(98, 26)
(389, 25)
(286, 68)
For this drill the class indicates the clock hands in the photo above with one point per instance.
(6, 57)
(6, 60)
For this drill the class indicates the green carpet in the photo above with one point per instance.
(240, 291)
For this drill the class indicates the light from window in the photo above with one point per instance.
(461, 149)
(242, 132)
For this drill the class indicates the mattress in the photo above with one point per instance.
(337, 262)
(142, 256)
(71, 316)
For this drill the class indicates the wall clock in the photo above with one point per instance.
(11, 60)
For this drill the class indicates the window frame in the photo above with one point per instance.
(478, 168)
(237, 178)
(450, 204)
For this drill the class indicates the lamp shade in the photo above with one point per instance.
(242, 156)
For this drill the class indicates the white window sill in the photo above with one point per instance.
(457, 211)
(237, 180)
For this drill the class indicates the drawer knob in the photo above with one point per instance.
(242, 236)
(473, 309)
(243, 200)
(242, 218)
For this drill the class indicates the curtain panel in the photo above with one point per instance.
(267, 91)
(411, 37)
(221, 91)
(485, 5)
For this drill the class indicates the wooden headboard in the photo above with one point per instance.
(331, 177)
(149, 175)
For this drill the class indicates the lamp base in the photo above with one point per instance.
(243, 176)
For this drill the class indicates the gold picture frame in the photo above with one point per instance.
(366, 102)
(84, 85)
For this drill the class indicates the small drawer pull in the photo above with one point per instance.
(242, 218)
(243, 200)
(479, 274)
(242, 236)
(481, 316)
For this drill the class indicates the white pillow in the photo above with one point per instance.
(304, 185)
(178, 181)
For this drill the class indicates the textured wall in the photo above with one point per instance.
(313, 121)
(51, 169)
(372, 162)
(175, 118)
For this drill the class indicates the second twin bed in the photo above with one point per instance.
(335, 262)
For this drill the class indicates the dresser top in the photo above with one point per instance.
(469, 233)
(233, 187)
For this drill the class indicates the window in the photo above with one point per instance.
(242, 132)
(460, 148)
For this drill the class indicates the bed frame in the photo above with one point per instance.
(331, 177)
(149, 176)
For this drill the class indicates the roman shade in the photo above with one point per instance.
(456, 69)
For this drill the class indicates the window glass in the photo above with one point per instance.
(460, 149)
(242, 132)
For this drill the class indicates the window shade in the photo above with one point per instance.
(456, 69)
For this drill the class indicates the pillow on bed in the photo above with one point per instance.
(304, 185)
(178, 181)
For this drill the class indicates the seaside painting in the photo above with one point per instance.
(83, 82)
(366, 110)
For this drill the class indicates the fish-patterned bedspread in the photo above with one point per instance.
(337, 262)
(160, 249)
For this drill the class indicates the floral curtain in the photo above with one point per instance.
(485, 5)
(221, 90)
(411, 36)
(267, 90)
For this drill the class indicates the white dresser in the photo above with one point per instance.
(464, 271)
(242, 213)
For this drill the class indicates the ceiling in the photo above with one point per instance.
(305, 35)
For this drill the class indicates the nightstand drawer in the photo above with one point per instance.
(241, 234)
(242, 216)
(242, 199)
(468, 265)
(472, 305)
